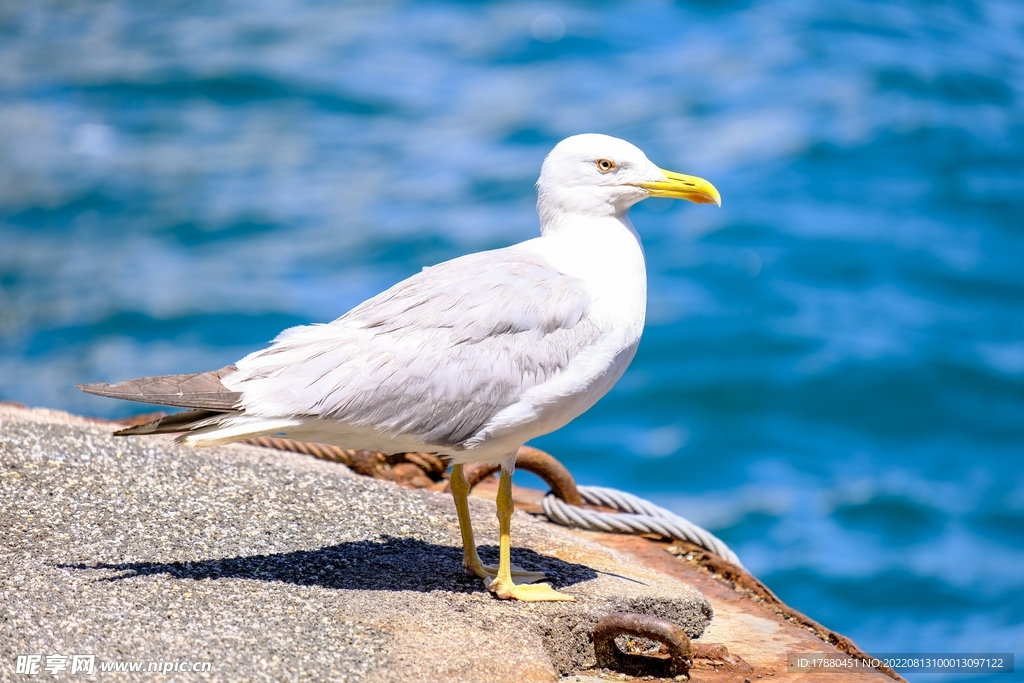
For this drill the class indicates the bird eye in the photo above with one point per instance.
(605, 165)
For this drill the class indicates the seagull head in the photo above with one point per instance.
(598, 176)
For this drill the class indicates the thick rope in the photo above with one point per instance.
(637, 516)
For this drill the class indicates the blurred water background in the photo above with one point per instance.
(832, 376)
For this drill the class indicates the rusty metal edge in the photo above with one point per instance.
(741, 580)
(732, 578)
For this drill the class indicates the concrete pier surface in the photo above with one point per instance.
(242, 563)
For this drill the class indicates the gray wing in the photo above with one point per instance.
(434, 357)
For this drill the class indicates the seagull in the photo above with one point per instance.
(468, 359)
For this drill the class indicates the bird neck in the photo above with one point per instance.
(557, 219)
(605, 229)
(605, 250)
(561, 209)
(606, 256)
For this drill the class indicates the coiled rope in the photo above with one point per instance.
(636, 516)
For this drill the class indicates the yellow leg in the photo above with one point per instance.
(470, 557)
(502, 585)
(460, 493)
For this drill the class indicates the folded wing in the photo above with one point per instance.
(435, 357)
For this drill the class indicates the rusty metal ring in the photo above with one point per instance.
(540, 463)
(680, 650)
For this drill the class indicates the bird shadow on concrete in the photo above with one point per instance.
(391, 564)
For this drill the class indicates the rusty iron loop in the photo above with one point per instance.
(540, 463)
(674, 638)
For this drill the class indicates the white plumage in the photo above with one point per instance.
(469, 358)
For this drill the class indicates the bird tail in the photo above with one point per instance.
(210, 427)
(215, 418)
(203, 390)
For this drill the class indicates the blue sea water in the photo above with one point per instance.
(832, 375)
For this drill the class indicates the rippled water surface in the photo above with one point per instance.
(832, 377)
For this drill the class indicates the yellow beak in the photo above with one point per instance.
(679, 186)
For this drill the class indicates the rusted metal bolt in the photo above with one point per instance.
(676, 662)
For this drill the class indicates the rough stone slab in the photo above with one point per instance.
(274, 566)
